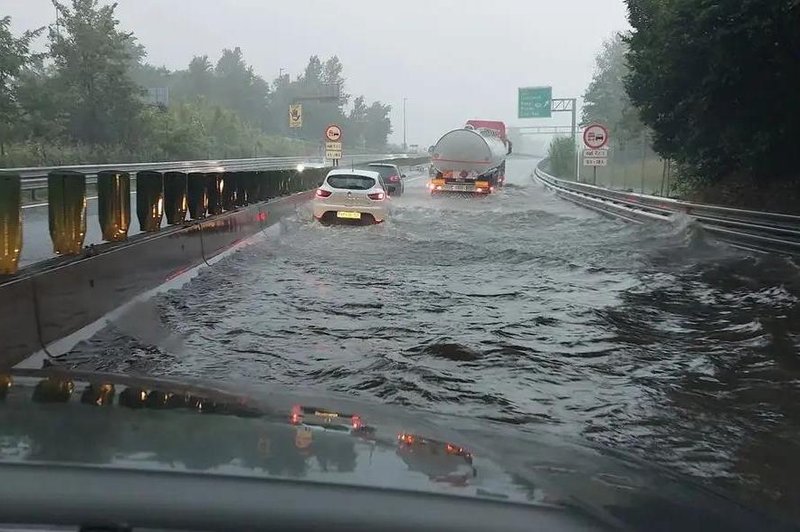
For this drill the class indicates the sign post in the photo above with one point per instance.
(296, 115)
(595, 138)
(333, 144)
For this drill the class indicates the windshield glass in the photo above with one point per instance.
(385, 171)
(351, 182)
(571, 226)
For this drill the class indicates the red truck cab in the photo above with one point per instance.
(498, 127)
(494, 125)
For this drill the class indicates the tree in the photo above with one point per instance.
(606, 101)
(562, 157)
(378, 125)
(718, 83)
(356, 124)
(15, 55)
(240, 89)
(92, 59)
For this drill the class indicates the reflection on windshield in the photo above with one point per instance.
(106, 423)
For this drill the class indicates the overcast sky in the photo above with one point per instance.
(452, 59)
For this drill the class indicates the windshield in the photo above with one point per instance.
(573, 220)
(386, 171)
(351, 182)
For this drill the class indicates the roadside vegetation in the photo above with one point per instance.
(706, 93)
(89, 98)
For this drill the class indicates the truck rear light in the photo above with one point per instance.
(478, 189)
(377, 196)
(321, 193)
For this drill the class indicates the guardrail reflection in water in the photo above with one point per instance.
(754, 230)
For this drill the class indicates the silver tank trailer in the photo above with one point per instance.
(474, 151)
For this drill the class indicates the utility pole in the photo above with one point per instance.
(404, 125)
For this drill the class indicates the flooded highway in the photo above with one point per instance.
(519, 308)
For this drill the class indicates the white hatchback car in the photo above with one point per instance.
(355, 196)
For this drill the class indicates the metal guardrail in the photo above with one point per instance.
(756, 230)
(36, 177)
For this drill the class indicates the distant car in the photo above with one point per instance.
(351, 196)
(391, 176)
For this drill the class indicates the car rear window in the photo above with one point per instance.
(385, 171)
(351, 182)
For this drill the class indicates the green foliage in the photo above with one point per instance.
(718, 83)
(606, 100)
(85, 101)
(15, 55)
(562, 157)
(92, 58)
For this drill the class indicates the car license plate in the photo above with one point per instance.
(349, 215)
(458, 188)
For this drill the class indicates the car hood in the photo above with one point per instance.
(51, 416)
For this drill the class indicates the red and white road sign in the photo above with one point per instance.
(595, 136)
(333, 133)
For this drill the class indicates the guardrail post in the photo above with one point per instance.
(197, 192)
(10, 223)
(230, 184)
(216, 183)
(114, 204)
(260, 186)
(66, 205)
(149, 200)
(175, 197)
(242, 183)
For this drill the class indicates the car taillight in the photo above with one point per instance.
(376, 196)
(321, 193)
(394, 178)
(356, 423)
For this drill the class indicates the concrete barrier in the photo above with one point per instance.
(19, 334)
(45, 306)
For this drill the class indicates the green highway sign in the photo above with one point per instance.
(535, 102)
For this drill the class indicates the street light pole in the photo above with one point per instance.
(404, 124)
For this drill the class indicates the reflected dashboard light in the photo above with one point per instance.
(5, 384)
(301, 167)
(296, 415)
(408, 439)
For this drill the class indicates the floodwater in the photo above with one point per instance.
(520, 308)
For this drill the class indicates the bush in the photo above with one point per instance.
(562, 157)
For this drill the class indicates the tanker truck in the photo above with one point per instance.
(471, 159)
